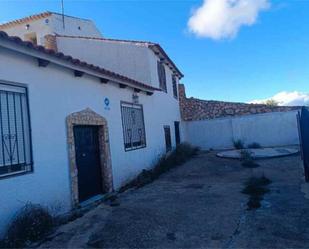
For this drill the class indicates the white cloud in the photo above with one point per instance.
(287, 98)
(219, 19)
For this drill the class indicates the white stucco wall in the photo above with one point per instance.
(72, 24)
(41, 27)
(53, 24)
(270, 129)
(123, 58)
(54, 93)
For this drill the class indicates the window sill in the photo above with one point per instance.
(17, 173)
(135, 148)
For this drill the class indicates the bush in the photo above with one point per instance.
(178, 156)
(30, 224)
(181, 154)
(254, 146)
(238, 144)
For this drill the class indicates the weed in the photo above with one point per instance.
(245, 155)
(255, 190)
(30, 224)
(247, 159)
(258, 181)
(181, 154)
(256, 187)
(238, 144)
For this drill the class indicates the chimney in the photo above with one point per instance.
(51, 42)
(181, 92)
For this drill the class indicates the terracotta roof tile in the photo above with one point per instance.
(75, 61)
(26, 19)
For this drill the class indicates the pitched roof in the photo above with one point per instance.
(155, 47)
(34, 18)
(26, 19)
(76, 62)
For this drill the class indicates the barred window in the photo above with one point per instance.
(133, 126)
(162, 76)
(174, 86)
(15, 144)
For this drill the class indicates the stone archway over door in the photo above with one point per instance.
(88, 117)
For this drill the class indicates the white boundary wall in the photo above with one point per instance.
(269, 129)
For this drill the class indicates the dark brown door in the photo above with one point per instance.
(88, 161)
(177, 132)
(168, 140)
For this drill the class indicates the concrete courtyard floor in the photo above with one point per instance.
(199, 205)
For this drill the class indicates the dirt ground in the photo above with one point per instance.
(199, 205)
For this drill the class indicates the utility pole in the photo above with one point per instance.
(62, 7)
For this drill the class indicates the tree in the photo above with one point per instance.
(271, 102)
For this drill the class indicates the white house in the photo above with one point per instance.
(80, 119)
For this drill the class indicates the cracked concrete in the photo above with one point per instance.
(199, 205)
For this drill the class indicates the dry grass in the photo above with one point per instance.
(181, 154)
(30, 224)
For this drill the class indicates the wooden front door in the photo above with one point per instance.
(88, 161)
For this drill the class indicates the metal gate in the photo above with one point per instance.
(303, 127)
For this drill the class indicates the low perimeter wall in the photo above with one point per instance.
(269, 129)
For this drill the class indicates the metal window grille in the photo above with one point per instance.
(15, 144)
(175, 86)
(168, 140)
(133, 126)
(162, 76)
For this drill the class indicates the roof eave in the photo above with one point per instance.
(39, 52)
(157, 49)
(25, 20)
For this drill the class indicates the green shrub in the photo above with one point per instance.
(181, 154)
(30, 224)
(254, 146)
(238, 144)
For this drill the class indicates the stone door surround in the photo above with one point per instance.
(89, 117)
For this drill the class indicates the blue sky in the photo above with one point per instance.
(269, 56)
